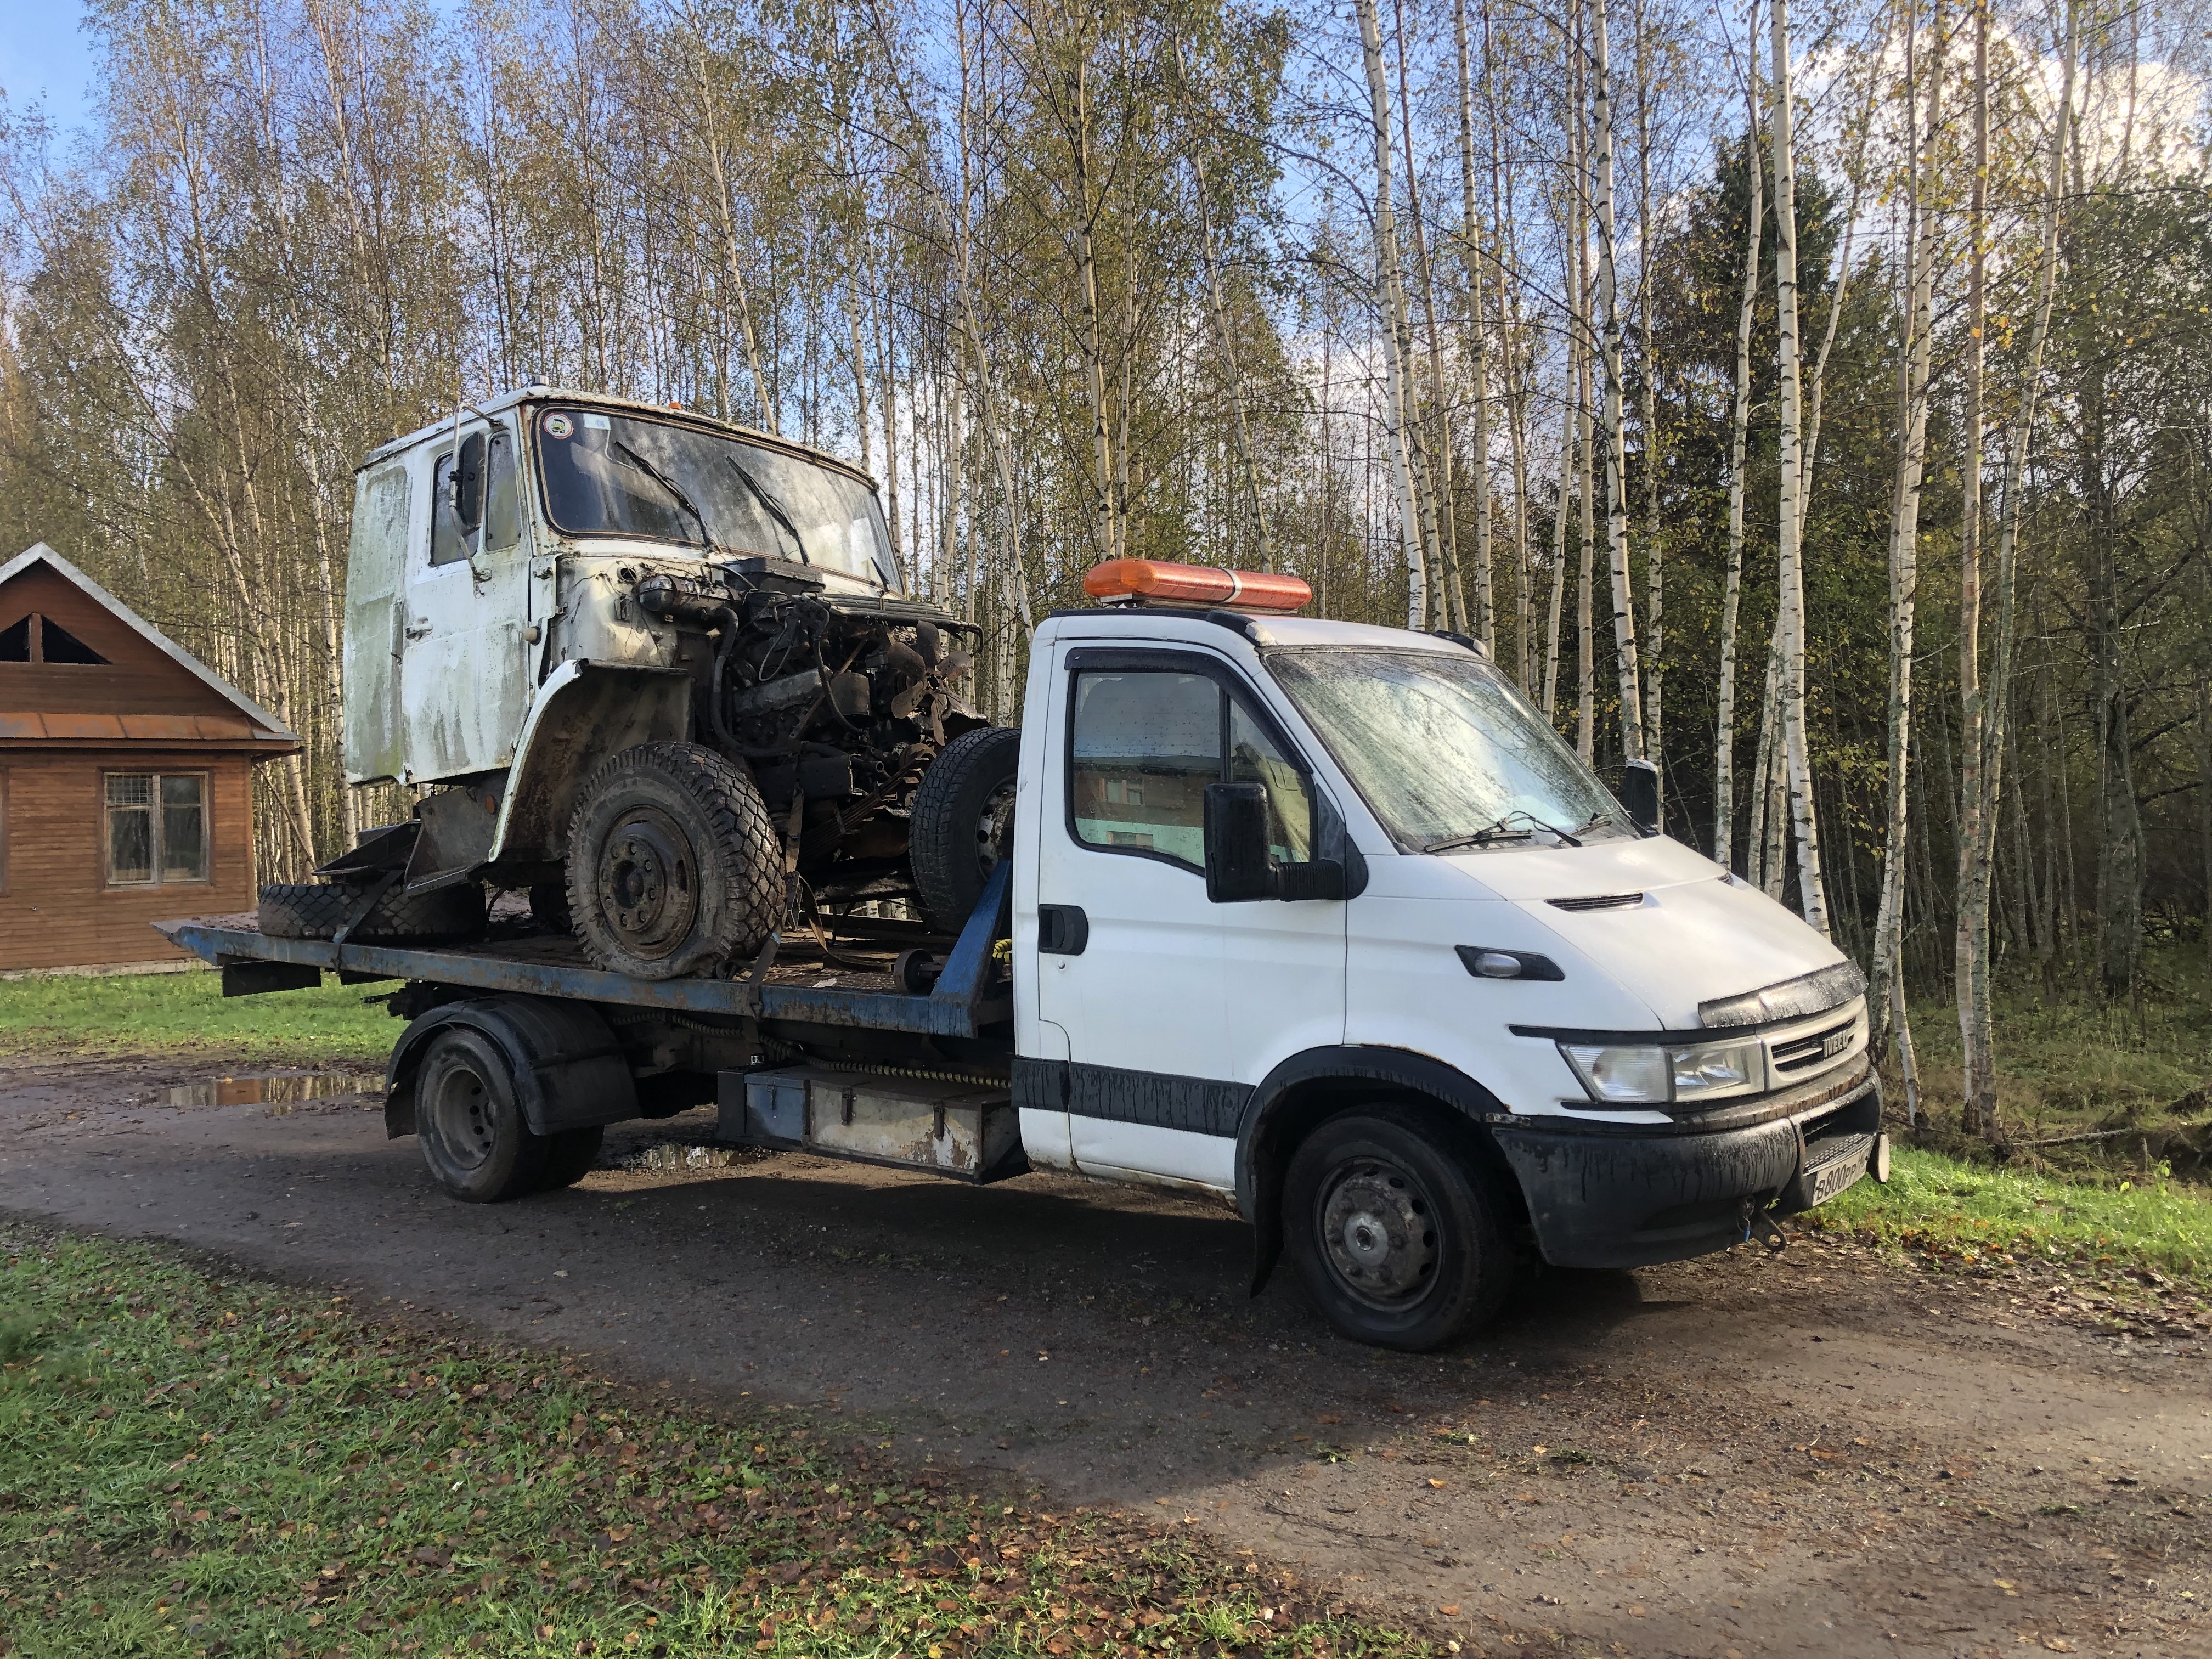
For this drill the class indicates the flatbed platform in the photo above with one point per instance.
(799, 985)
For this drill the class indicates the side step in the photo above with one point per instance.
(968, 1131)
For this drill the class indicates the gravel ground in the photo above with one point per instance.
(1822, 1452)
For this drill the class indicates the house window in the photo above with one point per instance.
(41, 639)
(157, 827)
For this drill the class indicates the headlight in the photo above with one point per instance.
(1635, 1075)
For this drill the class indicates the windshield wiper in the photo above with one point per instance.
(774, 507)
(668, 484)
(1501, 831)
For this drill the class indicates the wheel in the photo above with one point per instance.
(673, 867)
(1396, 1235)
(569, 1157)
(318, 910)
(549, 907)
(472, 1127)
(963, 822)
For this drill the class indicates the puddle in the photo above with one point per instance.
(276, 1090)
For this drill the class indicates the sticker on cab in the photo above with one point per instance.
(559, 425)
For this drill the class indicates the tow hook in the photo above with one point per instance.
(1758, 1221)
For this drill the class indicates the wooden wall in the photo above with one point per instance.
(56, 909)
(136, 679)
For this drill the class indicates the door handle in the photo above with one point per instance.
(420, 631)
(1062, 930)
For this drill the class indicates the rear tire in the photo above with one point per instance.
(549, 907)
(473, 1134)
(570, 1155)
(318, 910)
(673, 867)
(1396, 1234)
(963, 822)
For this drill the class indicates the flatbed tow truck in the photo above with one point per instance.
(1320, 919)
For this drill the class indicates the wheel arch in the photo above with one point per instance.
(567, 1071)
(1317, 1083)
(585, 714)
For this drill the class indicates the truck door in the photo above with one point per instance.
(465, 679)
(1174, 1007)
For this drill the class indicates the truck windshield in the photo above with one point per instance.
(1444, 750)
(620, 475)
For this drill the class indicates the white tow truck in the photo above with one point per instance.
(1320, 919)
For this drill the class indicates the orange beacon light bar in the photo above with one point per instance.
(1124, 580)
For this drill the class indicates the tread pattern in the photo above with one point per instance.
(318, 909)
(941, 832)
(740, 858)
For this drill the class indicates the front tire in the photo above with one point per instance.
(473, 1134)
(673, 867)
(1394, 1230)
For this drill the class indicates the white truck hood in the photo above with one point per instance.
(1682, 932)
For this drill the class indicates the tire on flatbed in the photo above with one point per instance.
(1395, 1228)
(318, 909)
(961, 822)
(474, 1136)
(673, 866)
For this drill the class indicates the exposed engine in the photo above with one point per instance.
(840, 702)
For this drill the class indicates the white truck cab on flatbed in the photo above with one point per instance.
(1320, 918)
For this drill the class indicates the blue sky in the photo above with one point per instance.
(45, 57)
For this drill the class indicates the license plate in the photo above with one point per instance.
(1833, 1178)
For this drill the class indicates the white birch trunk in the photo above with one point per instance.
(1811, 893)
(1629, 673)
(1739, 428)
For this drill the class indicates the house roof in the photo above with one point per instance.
(266, 726)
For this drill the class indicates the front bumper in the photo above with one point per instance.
(1631, 1196)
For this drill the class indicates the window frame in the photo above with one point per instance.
(206, 878)
(1233, 688)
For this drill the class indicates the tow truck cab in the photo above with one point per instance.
(1275, 875)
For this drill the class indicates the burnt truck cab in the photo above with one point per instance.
(550, 579)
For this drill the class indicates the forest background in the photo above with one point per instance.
(1815, 406)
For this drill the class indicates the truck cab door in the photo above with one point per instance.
(464, 663)
(1174, 1007)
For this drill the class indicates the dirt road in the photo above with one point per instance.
(1818, 1453)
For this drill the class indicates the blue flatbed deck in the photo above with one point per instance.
(968, 997)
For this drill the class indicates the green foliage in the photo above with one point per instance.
(183, 1013)
(1939, 1204)
(196, 1467)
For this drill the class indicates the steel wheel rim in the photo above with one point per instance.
(1379, 1231)
(462, 1107)
(647, 883)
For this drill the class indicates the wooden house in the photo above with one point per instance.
(126, 771)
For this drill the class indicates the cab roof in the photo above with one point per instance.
(540, 393)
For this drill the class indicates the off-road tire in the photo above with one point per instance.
(673, 867)
(318, 910)
(1396, 1229)
(474, 1137)
(569, 1157)
(962, 822)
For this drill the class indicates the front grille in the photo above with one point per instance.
(1803, 1053)
(1598, 901)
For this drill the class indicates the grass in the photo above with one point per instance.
(184, 1013)
(197, 1466)
(1939, 1204)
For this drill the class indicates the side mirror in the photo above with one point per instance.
(1236, 862)
(1639, 794)
(1239, 866)
(469, 483)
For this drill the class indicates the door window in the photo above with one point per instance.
(1144, 745)
(449, 542)
(502, 518)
